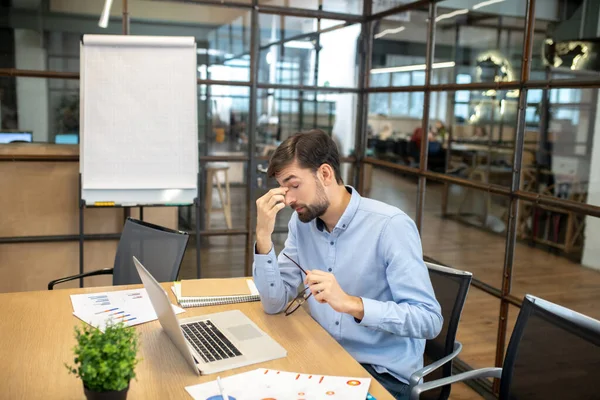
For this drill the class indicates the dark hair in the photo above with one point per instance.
(311, 149)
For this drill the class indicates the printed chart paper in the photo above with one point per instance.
(269, 384)
(133, 307)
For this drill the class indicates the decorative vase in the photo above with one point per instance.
(109, 395)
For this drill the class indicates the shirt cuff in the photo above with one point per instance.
(372, 312)
(265, 260)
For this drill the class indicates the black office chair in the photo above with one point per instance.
(451, 287)
(414, 152)
(380, 147)
(160, 249)
(553, 353)
(401, 149)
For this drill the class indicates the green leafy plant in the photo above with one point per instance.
(105, 361)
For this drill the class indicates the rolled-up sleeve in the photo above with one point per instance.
(414, 311)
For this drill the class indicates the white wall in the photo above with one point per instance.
(32, 93)
(591, 250)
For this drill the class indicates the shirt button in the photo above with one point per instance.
(330, 270)
(337, 322)
(269, 261)
(331, 243)
(343, 226)
(272, 284)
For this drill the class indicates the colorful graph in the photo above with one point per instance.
(263, 384)
(129, 306)
(101, 300)
(106, 311)
(116, 314)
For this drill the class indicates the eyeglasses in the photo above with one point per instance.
(301, 298)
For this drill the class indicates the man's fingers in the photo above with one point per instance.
(276, 208)
(278, 198)
(279, 190)
(320, 298)
(312, 279)
(317, 288)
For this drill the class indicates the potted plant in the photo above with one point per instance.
(105, 361)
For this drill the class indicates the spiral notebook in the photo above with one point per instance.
(201, 301)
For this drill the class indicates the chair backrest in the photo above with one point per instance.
(553, 353)
(401, 148)
(160, 249)
(451, 287)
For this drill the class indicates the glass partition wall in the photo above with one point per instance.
(477, 118)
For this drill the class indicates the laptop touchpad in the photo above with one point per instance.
(244, 332)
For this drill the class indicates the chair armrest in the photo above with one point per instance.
(477, 373)
(416, 377)
(104, 271)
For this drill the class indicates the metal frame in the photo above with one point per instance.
(363, 90)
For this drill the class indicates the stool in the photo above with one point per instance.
(212, 177)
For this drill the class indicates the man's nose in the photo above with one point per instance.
(289, 199)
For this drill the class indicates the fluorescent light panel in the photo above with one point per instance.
(389, 32)
(486, 3)
(408, 68)
(103, 23)
(299, 44)
(451, 14)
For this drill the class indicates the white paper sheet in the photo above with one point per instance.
(139, 113)
(264, 383)
(133, 307)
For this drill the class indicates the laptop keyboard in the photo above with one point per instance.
(209, 341)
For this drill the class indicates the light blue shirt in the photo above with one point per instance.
(375, 253)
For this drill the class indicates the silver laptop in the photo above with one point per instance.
(213, 342)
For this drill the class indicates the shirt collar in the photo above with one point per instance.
(348, 214)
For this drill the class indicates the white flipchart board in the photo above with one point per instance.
(139, 123)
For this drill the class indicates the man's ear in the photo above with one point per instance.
(327, 174)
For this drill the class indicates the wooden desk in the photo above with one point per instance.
(36, 336)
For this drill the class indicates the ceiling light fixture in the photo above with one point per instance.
(389, 32)
(417, 67)
(103, 23)
(452, 14)
(486, 3)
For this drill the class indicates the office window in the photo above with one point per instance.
(379, 103)
(462, 99)
(462, 96)
(417, 99)
(400, 101)
(534, 96)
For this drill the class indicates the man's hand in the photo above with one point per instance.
(326, 289)
(267, 208)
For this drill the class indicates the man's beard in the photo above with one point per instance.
(313, 211)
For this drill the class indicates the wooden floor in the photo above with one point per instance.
(451, 242)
